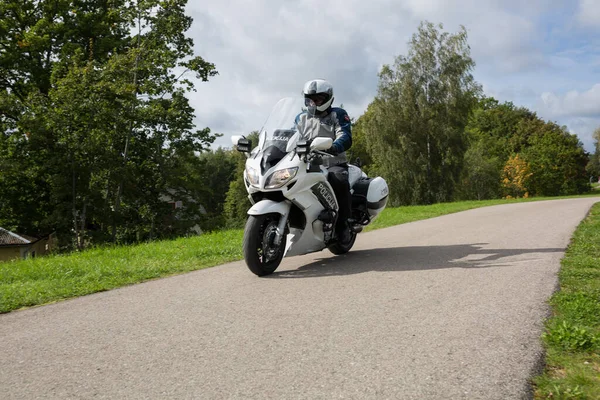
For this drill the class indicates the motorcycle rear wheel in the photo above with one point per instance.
(261, 254)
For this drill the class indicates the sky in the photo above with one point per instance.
(539, 54)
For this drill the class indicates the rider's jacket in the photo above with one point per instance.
(333, 123)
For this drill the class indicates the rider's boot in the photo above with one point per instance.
(344, 235)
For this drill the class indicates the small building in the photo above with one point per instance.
(14, 246)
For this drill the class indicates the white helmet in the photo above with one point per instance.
(320, 92)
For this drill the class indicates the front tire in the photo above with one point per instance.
(260, 252)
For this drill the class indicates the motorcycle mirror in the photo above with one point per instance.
(244, 145)
(302, 146)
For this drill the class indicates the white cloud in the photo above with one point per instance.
(589, 13)
(573, 103)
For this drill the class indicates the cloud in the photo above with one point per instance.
(573, 103)
(579, 111)
(502, 35)
(227, 121)
(584, 129)
(589, 13)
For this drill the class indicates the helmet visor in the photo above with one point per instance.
(318, 99)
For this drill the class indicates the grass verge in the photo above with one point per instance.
(43, 280)
(572, 337)
(46, 279)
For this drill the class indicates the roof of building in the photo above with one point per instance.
(8, 238)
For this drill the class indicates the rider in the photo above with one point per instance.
(335, 124)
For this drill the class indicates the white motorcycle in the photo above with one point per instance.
(294, 209)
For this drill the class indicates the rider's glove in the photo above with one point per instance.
(332, 150)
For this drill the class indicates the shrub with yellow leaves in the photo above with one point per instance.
(515, 178)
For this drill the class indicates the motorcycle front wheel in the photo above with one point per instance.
(261, 253)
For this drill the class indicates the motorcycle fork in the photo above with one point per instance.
(282, 222)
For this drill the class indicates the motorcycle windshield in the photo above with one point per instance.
(280, 131)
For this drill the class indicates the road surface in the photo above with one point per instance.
(447, 308)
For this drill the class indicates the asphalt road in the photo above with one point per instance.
(446, 308)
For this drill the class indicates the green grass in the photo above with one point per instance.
(43, 280)
(46, 279)
(572, 336)
(402, 215)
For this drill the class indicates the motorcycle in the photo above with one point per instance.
(294, 209)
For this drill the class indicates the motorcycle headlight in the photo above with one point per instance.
(252, 176)
(279, 178)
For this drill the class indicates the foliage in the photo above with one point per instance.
(94, 116)
(593, 166)
(555, 158)
(480, 177)
(359, 149)
(415, 127)
(515, 177)
(557, 162)
(571, 337)
(502, 130)
(214, 173)
(198, 183)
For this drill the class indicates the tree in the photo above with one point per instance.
(481, 174)
(35, 36)
(206, 179)
(415, 134)
(94, 97)
(516, 175)
(557, 161)
(359, 149)
(555, 158)
(593, 166)
(503, 129)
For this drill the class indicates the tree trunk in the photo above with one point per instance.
(129, 134)
(74, 203)
(81, 236)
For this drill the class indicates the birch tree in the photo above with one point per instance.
(416, 134)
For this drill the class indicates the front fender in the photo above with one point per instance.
(270, 206)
